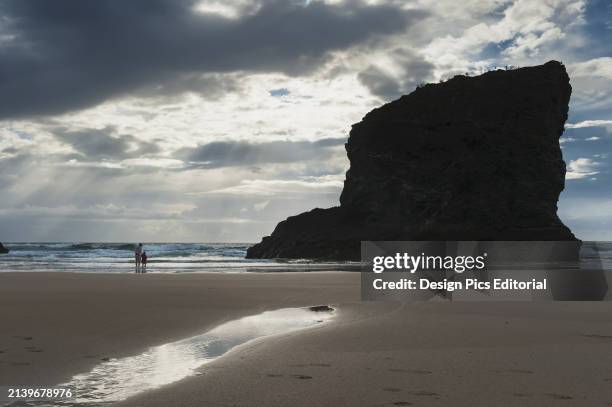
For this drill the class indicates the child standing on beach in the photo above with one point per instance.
(143, 260)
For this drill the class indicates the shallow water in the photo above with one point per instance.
(118, 379)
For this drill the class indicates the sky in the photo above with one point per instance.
(211, 121)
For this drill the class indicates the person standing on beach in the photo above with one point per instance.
(143, 260)
(138, 256)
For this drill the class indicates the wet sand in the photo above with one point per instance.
(53, 325)
(372, 354)
(420, 354)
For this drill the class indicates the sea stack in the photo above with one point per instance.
(3, 250)
(472, 158)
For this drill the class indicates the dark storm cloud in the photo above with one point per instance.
(96, 144)
(10, 150)
(64, 55)
(380, 83)
(242, 153)
(210, 85)
(414, 70)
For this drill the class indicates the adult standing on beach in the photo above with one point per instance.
(137, 256)
(143, 260)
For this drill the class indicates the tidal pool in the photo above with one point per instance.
(118, 379)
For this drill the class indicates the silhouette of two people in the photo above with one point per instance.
(140, 259)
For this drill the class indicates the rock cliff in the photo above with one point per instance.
(472, 158)
(3, 250)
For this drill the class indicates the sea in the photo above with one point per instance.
(192, 257)
(162, 258)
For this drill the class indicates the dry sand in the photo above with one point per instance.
(372, 354)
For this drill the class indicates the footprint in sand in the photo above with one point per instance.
(522, 394)
(33, 349)
(301, 376)
(521, 371)
(423, 393)
(596, 336)
(392, 389)
(401, 403)
(559, 396)
(414, 371)
(274, 375)
(310, 364)
(25, 338)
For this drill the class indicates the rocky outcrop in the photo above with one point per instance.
(473, 158)
(3, 250)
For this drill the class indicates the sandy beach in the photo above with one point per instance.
(55, 325)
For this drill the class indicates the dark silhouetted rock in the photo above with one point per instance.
(321, 308)
(3, 250)
(473, 158)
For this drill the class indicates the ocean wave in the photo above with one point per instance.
(158, 247)
(55, 247)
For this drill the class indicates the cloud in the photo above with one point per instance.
(102, 144)
(229, 153)
(589, 123)
(598, 67)
(67, 55)
(591, 82)
(10, 150)
(212, 86)
(518, 31)
(12, 167)
(582, 168)
(109, 212)
(227, 8)
(401, 75)
(283, 187)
